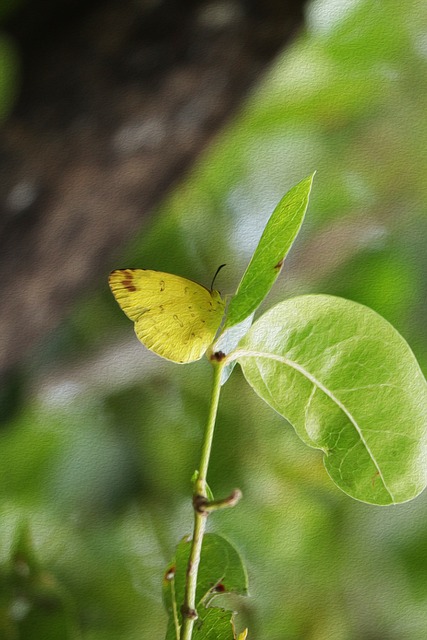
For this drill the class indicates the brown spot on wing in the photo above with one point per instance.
(128, 285)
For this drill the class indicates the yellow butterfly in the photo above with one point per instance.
(174, 317)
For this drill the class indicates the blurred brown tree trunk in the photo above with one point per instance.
(118, 99)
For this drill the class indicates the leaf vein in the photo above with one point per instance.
(307, 406)
(294, 365)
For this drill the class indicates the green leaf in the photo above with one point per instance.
(267, 260)
(171, 631)
(221, 571)
(221, 568)
(351, 386)
(214, 624)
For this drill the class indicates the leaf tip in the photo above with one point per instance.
(310, 179)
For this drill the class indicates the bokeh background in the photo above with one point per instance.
(99, 438)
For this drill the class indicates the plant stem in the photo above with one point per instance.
(189, 606)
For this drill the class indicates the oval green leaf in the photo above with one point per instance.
(267, 260)
(350, 385)
(221, 571)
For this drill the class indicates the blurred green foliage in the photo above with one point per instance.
(98, 461)
(9, 61)
(8, 75)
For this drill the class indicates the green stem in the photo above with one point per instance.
(189, 613)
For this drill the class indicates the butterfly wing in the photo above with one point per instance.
(174, 317)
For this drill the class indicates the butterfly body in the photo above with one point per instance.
(174, 317)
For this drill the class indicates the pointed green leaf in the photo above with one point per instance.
(267, 260)
(221, 571)
(351, 386)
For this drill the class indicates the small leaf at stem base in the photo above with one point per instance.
(221, 571)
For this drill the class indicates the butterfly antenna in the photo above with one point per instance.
(216, 273)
